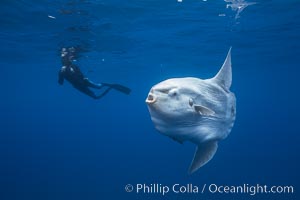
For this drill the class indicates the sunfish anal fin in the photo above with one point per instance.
(204, 152)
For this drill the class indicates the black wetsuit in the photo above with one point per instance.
(73, 74)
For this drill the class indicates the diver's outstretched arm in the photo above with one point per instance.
(61, 77)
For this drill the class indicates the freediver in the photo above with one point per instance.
(72, 73)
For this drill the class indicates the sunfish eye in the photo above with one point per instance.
(173, 92)
(191, 103)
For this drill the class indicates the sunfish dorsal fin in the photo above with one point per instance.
(224, 76)
(204, 153)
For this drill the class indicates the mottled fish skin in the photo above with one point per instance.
(196, 110)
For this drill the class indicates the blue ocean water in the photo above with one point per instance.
(56, 143)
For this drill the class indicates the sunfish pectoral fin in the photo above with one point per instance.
(204, 153)
(202, 110)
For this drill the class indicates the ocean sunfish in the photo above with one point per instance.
(195, 110)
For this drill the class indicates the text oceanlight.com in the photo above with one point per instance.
(176, 188)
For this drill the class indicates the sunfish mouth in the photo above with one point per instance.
(150, 99)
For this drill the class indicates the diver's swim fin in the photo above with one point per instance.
(118, 87)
